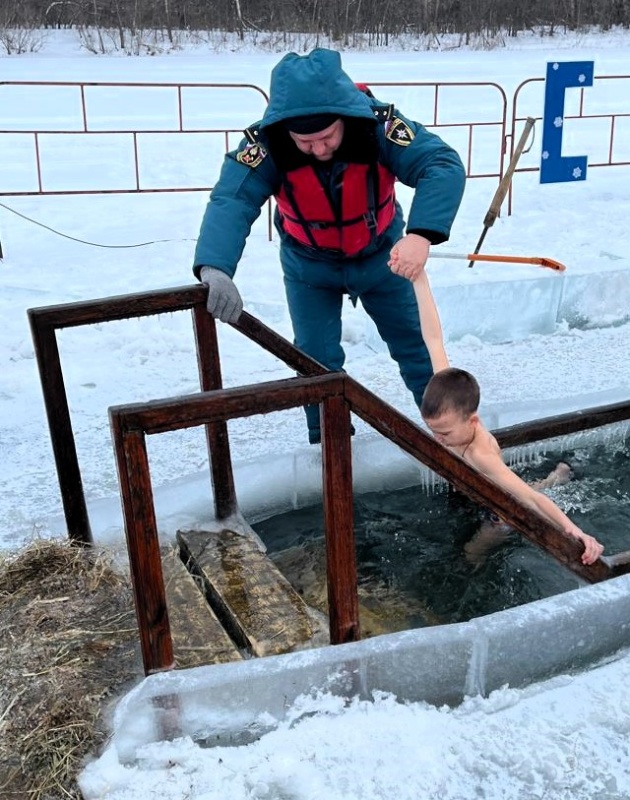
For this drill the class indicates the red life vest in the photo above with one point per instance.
(308, 215)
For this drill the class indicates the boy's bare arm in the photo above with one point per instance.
(430, 323)
(492, 466)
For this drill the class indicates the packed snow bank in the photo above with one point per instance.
(231, 704)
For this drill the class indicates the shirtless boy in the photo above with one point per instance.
(450, 410)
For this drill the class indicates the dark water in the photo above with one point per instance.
(411, 544)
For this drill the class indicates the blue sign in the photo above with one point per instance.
(554, 167)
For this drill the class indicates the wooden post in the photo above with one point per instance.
(60, 426)
(341, 566)
(143, 546)
(209, 364)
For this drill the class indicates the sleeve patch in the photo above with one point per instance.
(399, 132)
(252, 155)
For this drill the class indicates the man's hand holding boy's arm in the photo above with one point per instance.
(409, 255)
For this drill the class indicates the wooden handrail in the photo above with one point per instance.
(338, 395)
(411, 438)
(131, 424)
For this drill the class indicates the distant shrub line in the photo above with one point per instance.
(136, 26)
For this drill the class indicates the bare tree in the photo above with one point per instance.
(129, 24)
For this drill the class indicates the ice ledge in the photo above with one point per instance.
(235, 703)
(533, 300)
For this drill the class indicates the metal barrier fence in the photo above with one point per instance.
(42, 150)
(108, 138)
(109, 115)
(43, 155)
(43, 158)
(586, 108)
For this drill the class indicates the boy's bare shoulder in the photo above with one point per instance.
(485, 453)
(485, 445)
(487, 458)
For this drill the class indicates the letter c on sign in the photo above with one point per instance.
(554, 167)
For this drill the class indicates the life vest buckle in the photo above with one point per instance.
(370, 220)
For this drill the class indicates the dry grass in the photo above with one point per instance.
(69, 645)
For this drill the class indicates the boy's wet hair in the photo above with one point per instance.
(450, 389)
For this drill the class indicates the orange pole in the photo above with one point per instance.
(539, 261)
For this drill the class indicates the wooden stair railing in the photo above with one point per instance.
(411, 438)
(338, 395)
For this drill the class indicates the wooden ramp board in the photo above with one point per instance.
(198, 636)
(383, 608)
(256, 604)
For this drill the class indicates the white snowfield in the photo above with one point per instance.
(540, 343)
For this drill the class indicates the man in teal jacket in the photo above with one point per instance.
(330, 153)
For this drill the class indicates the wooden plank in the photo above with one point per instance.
(61, 434)
(217, 434)
(198, 636)
(279, 347)
(382, 608)
(122, 306)
(201, 408)
(254, 602)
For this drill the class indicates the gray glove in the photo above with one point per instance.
(224, 301)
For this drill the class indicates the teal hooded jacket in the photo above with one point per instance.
(317, 84)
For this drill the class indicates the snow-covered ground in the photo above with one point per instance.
(514, 326)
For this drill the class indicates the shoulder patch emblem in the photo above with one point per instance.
(252, 155)
(399, 132)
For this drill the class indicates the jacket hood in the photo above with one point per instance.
(313, 84)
